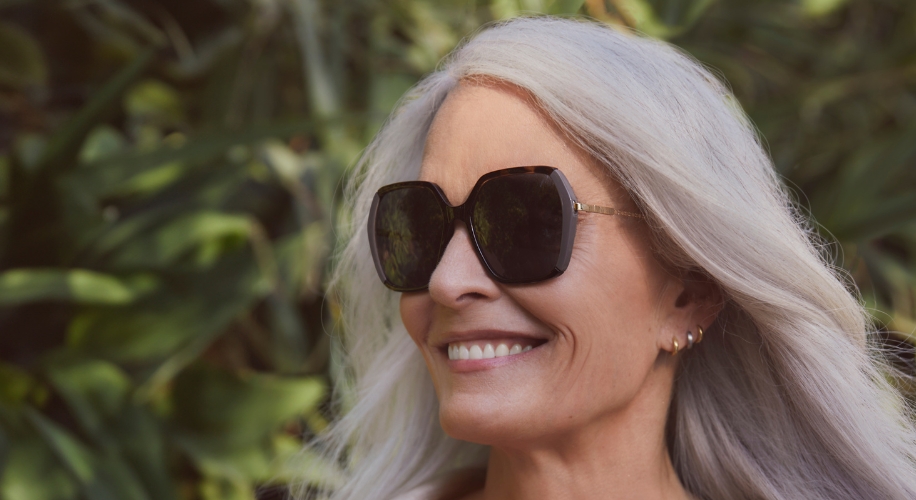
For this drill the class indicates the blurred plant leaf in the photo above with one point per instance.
(166, 324)
(73, 285)
(32, 472)
(113, 174)
(817, 8)
(94, 390)
(15, 385)
(71, 453)
(29, 149)
(22, 62)
(208, 403)
(163, 247)
(154, 101)
(102, 142)
(68, 139)
(881, 218)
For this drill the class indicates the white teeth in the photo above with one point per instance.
(476, 353)
(472, 350)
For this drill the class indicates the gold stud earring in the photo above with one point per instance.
(676, 346)
(699, 334)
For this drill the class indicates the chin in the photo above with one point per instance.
(483, 420)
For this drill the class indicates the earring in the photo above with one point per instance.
(676, 346)
(699, 334)
(689, 340)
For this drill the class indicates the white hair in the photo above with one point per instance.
(784, 399)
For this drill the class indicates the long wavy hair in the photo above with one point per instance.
(784, 399)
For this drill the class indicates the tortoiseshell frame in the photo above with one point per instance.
(462, 212)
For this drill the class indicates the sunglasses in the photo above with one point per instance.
(521, 220)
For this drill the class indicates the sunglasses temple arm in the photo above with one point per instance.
(582, 207)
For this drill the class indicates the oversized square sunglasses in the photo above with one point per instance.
(522, 222)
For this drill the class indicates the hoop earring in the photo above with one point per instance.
(689, 340)
(699, 334)
(676, 346)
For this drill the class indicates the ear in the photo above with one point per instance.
(691, 302)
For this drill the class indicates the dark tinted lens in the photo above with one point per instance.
(518, 222)
(408, 235)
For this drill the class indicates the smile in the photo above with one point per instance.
(486, 349)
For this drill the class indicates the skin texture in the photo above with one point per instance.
(583, 415)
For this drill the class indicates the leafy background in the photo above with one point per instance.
(169, 186)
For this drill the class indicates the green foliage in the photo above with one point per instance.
(169, 184)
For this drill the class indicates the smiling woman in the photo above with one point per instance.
(637, 312)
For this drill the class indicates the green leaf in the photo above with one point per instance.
(295, 464)
(75, 285)
(74, 456)
(155, 101)
(214, 402)
(226, 488)
(22, 62)
(32, 472)
(226, 421)
(819, 8)
(288, 336)
(15, 385)
(879, 219)
(101, 143)
(565, 7)
(68, 138)
(113, 174)
(4, 176)
(175, 325)
(4, 453)
(185, 233)
(94, 390)
(143, 444)
(29, 150)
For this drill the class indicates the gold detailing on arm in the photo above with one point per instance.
(582, 207)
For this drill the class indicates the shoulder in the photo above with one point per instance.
(454, 486)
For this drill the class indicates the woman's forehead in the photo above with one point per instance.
(481, 128)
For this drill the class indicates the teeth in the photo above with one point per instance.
(476, 353)
(470, 350)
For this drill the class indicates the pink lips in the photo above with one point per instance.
(472, 365)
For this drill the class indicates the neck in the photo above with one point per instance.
(622, 455)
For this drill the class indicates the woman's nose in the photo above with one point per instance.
(461, 278)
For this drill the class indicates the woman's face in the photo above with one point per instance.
(598, 331)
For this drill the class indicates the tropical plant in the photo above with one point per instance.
(169, 192)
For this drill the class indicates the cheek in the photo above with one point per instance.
(603, 309)
(416, 315)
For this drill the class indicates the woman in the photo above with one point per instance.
(687, 340)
